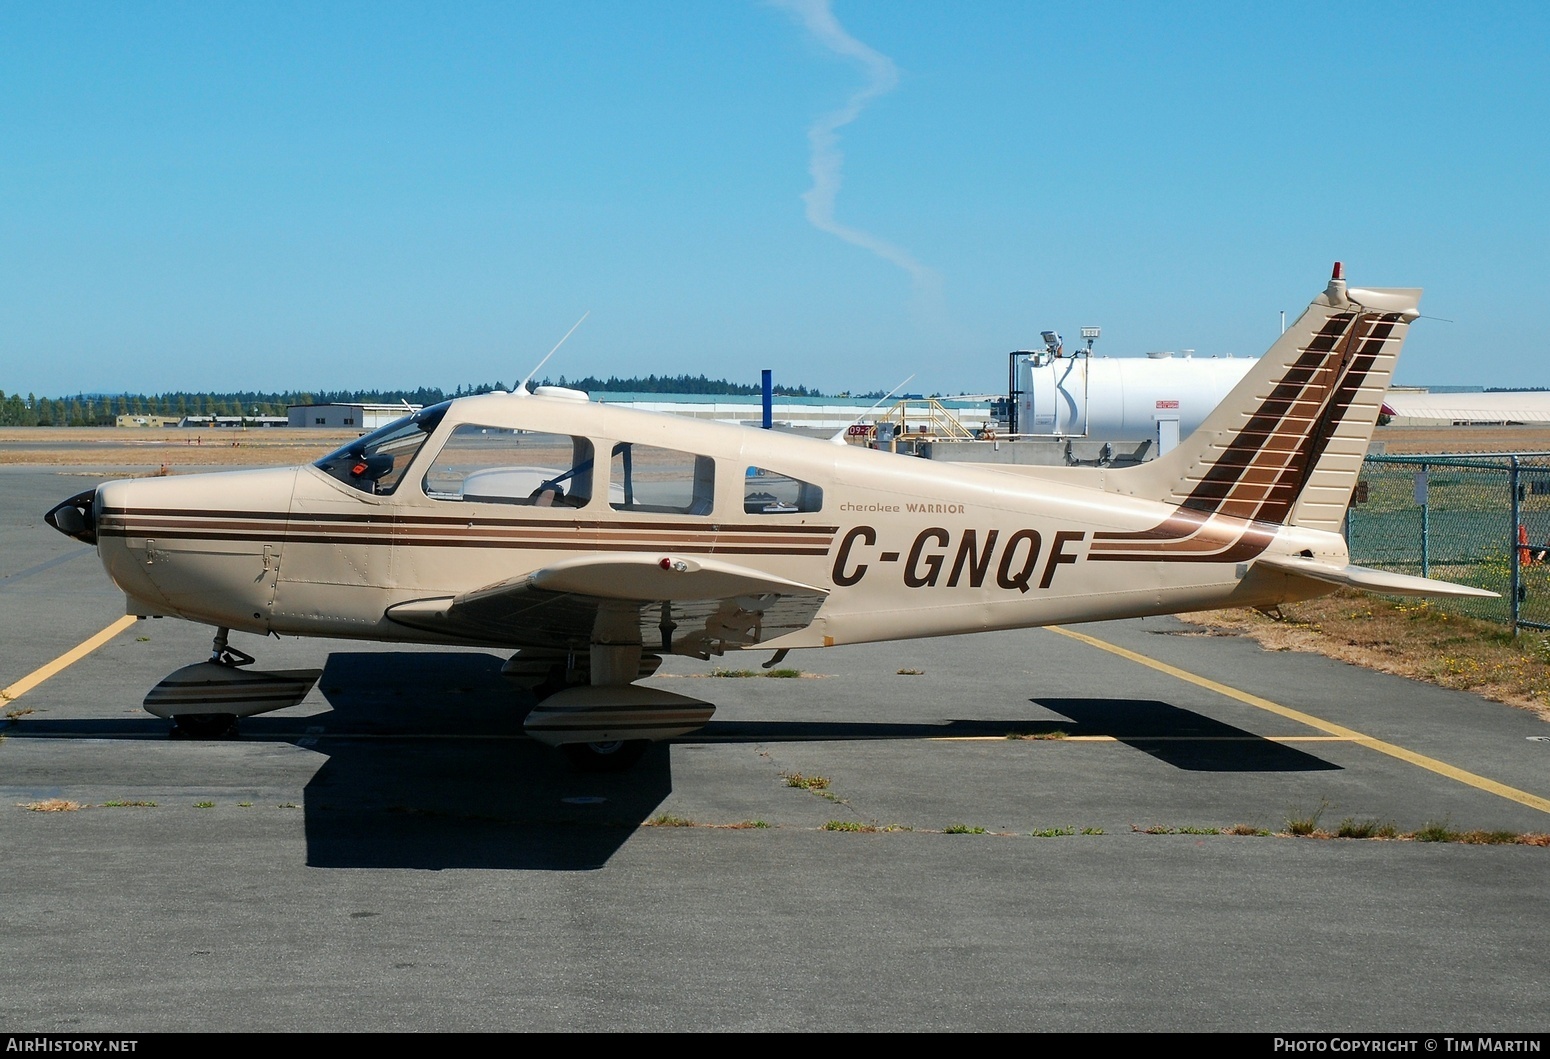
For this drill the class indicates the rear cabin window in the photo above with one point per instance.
(664, 481)
(498, 465)
(767, 492)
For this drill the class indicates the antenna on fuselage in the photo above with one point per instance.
(520, 389)
(839, 438)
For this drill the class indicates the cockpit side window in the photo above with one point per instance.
(499, 465)
(376, 462)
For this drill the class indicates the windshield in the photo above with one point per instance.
(375, 463)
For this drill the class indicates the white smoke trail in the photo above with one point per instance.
(824, 137)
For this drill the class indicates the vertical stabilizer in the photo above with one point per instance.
(1286, 445)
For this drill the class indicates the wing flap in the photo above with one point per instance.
(1370, 580)
(642, 578)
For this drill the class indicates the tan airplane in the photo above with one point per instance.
(595, 539)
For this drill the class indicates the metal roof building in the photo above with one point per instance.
(356, 416)
(818, 413)
(1424, 408)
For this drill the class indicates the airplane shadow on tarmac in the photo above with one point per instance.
(428, 765)
(1180, 737)
(429, 768)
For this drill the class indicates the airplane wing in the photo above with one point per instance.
(1369, 579)
(697, 606)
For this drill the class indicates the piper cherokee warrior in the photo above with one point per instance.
(593, 540)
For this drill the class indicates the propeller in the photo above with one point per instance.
(75, 518)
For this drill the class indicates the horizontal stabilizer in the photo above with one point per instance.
(1371, 580)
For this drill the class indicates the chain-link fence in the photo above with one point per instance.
(1477, 520)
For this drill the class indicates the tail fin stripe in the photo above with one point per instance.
(1262, 470)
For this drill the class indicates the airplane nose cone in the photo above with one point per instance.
(201, 546)
(76, 517)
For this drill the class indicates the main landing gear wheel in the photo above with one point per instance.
(614, 756)
(204, 725)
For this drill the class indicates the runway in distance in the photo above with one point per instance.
(594, 539)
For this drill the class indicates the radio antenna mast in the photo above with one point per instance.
(520, 389)
(839, 437)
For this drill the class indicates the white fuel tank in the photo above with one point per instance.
(1123, 398)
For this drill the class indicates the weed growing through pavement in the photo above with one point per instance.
(963, 829)
(1350, 827)
(1306, 823)
(52, 805)
(785, 673)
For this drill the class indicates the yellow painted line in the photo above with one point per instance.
(1442, 768)
(69, 658)
(1143, 739)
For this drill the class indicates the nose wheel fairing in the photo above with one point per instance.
(205, 699)
(218, 688)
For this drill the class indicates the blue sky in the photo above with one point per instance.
(329, 195)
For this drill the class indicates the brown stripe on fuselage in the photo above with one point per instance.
(1225, 542)
(394, 518)
(194, 529)
(571, 544)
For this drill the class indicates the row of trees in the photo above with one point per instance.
(85, 410)
(675, 384)
(104, 410)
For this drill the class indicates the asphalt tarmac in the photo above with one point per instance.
(395, 854)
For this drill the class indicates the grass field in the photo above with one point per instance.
(1409, 638)
(110, 447)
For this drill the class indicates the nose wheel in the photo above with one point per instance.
(204, 726)
(616, 755)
